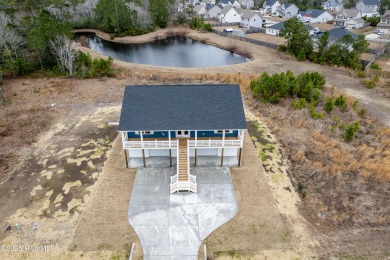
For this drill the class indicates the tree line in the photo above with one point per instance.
(343, 52)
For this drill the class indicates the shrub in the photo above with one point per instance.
(314, 114)
(301, 190)
(342, 103)
(375, 66)
(282, 48)
(360, 74)
(362, 112)
(101, 68)
(350, 131)
(299, 103)
(329, 104)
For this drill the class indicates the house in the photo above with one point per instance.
(315, 16)
(333, 5)
(350, 18)
(247, 4)
(368, 8)
(199, 10)
(270, 6)
(251, 20)
(230, 14)
(335, 35)
(287, 10)
(182, 125)
(212, 11)
(276, 29)
(384, 24)
(233, 3)
(209, 2)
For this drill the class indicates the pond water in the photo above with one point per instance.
(180, 52)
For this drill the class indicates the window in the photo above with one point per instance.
(144, 132)
(221, 131)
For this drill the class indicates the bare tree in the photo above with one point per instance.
(61, 47)
(4, 21)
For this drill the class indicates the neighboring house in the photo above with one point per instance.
(247, 4)
(333, 5)
(251, 20)
(349, 18)
(276, 29)
(233, 3)
(368, 8)
(200, 10)
(270, 6)
(384, 24)
(335, 35)
(287, 10)
(315, 16)
(212, 11)
(230, 15)
(209, 2)
(182, 125)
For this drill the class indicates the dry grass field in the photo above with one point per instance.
(346, 184)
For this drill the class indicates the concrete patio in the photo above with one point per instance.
(173, 226)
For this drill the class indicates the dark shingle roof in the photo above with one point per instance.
(270, 2)
(314, 12)
(336, 34)
(371, 2)
(182, 107)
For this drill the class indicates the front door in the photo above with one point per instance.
(182, 134)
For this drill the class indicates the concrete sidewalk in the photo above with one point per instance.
(173, 226)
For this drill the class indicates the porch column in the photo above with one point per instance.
(169, 138)
(223, 138)
(142, 139)
(123, 139)
(126, 159)
(196, 140)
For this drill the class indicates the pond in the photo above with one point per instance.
(180, 52)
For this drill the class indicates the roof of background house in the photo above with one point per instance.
(314, 12)
(197, 8)
(350, 12)
(386, 15)
(287, 5)
(182, 107)
(211, 6)
(270, 2)
(249, 15)
(226, 2)
(280, 26)
(336, 34)
(371, 2)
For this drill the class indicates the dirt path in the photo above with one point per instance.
(264, 59)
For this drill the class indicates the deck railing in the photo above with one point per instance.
(214, 143)
(150, 144)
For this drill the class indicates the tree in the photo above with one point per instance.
(61, 47)
(159, 10)
(299, 42)
(384, 6)
(114, 16)
(40, 31)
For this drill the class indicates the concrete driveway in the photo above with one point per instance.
(173, 226)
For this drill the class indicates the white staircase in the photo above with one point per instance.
(183, 180)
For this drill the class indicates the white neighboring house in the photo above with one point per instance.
(315, 16)
(200, 10)
(368, 8)
(251, 20)
(276, 28)
(247, 4)
(384, 24)
(212, 11)
(233, 3)
(270, 6)
(229, 15)
(351, 18)
(287, 10)
(209, 2)
(333, 5)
